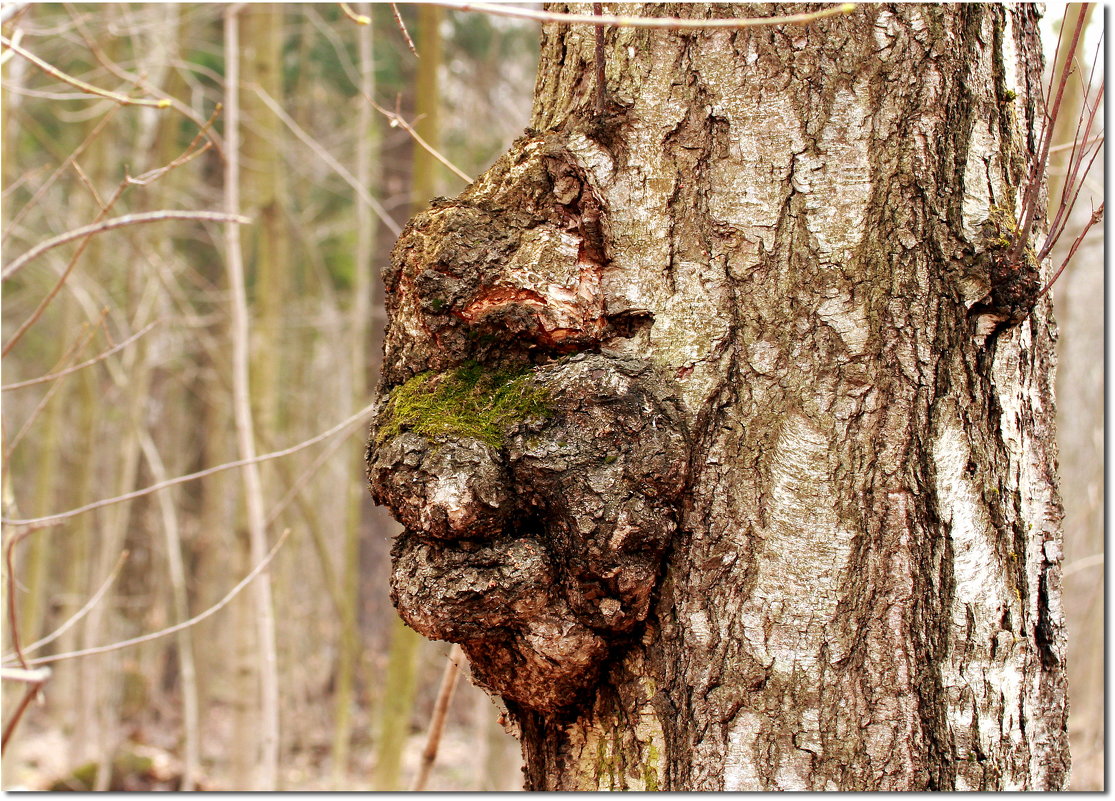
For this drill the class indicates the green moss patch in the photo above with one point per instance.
(471, 401)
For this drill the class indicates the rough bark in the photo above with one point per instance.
(789, 518)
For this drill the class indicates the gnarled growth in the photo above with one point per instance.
(540, 556)
(536, 477)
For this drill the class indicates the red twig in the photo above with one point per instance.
(36, 678)
(1097, 215)
(1037, 170)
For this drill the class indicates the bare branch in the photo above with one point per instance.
(32, 675)
(397, 121)
(53, 520)
(243, 418)
(437, 719)
(1097, 215)
(13, 619)
(327, 157)
(193, 621)
(403, 28)
(118, 222)
(1070, 145)
(298, 485)
(189, 154)
(1074, 182)
(83, 339)
(53, 293)
(52, 376)
(140, 81)
(1037, 170)
(88, 88)
(77, 616)
(71, 159)
(11, 9)
(608, 20)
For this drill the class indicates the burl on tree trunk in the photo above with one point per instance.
(722, 441)
(538, 479)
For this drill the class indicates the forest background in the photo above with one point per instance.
(126, 356)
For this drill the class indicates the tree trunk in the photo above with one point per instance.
(781, 510)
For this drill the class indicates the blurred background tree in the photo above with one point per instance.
(328, 182)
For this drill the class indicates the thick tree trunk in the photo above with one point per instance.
(786, 514)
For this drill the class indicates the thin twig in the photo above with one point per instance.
(327, 157)
(17, 37)
(88, 88)
(298, 485)
(52, 376)
(147, 177)
(193, 621)
(1097, 215)
(340, 47)
(359, 19)
(191, 152)
(53, 520)
(84, 338)
(12, 11)
(42, 94)
(397, 121)
(437, 719)
(609, 20)
(1037, 170)
(79, 614)
(1069, 145)
(70, 265)
(180, 603)
(118, 222)
(21, 180)
(1073, 183)
(13, 618)
(140, 81)
(403, 28)
(71, 159)
(85, 181)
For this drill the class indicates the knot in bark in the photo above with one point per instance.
(540, 555)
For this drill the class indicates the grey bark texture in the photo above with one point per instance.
(785, 515)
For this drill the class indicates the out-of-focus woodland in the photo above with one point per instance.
(132, 356)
